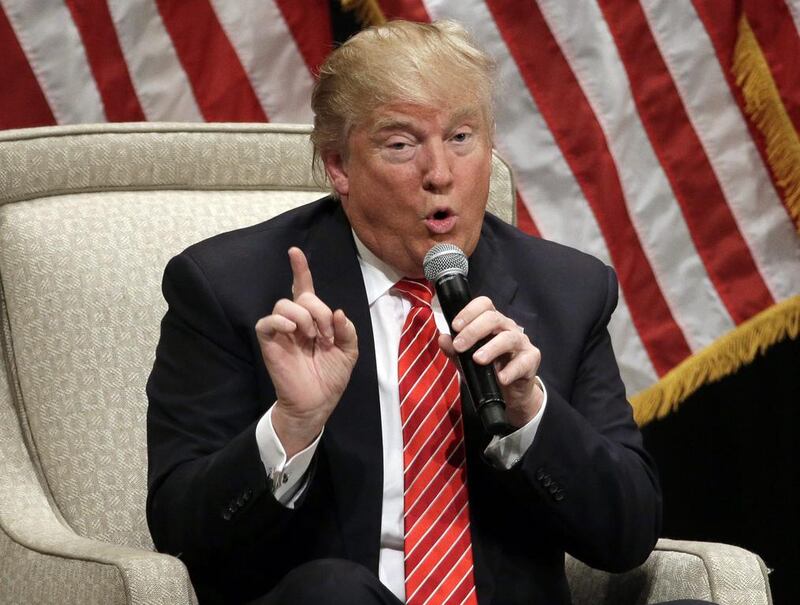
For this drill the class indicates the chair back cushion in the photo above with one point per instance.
(89, 217)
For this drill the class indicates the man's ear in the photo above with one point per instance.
(337, 172)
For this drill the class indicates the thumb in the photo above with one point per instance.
(446, 345)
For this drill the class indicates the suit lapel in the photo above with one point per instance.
(352, 439)
(488, 276)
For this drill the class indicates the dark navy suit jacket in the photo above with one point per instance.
(586, 486)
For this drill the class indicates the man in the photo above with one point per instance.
(286, 463)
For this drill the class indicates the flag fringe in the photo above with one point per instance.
(764, 107)
(368, 12)
(721, 358)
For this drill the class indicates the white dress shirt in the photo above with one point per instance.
(388, 311)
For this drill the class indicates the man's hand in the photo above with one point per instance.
(515, 359)
(309, 352)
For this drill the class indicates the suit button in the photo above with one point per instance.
(558, 496)
(547, 481)
(247, 493)
(553, 489)
(226, 514)
(240, 501)
(540, 474)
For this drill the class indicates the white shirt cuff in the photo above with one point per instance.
(505, 452)
(288, 476)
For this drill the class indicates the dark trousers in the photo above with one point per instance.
(329, 582)
(340, 582)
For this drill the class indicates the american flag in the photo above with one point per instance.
(660, 136)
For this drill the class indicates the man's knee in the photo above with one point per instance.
(330, 582)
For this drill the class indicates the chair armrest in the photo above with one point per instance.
(67, 569)
(723, 574)
(44, 561)
(733, 575)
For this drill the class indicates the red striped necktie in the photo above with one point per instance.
(438, 546)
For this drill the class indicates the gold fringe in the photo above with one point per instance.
(721, 358)
(765, 109)
(368, 12)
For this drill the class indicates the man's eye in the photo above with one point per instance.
(398, 146)
(461, 137)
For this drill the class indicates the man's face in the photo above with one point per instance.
(415, 176)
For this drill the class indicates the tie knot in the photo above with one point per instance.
(418, 291)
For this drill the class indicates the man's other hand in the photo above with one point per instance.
(515, 359)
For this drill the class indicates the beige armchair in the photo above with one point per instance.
(89, 216)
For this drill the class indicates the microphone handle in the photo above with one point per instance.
(453, 291)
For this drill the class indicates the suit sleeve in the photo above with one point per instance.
(209, 500)
(587, 464)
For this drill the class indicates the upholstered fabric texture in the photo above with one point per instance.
(81, 277)
(69, 159)
(44, 561)
(719, 573)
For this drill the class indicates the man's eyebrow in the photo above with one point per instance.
(465, 114)
(392, 123)
(400, 123)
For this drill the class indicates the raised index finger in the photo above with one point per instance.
(302, 281)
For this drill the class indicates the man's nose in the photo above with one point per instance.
(437, 173)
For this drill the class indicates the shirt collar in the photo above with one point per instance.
(379, 277)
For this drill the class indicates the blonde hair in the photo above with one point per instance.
(398, 62)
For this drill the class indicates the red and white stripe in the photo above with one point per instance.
(646, 197)
(794, 9)
(621, 120)
(45, 30)
(160, 83)
(438, 547)
(268, 58)
(714, 114)
(117, 60)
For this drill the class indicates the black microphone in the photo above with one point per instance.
(446, 266)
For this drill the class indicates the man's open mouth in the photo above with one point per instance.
(441, 221)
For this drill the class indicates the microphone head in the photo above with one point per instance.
(443, 260)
